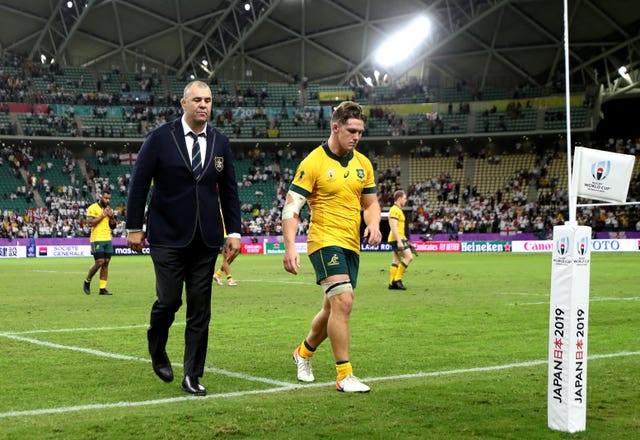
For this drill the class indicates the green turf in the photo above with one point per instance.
(76, 367)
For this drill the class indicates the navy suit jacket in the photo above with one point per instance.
(181, 202)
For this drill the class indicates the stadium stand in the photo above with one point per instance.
(489, 192)
(459, 190)
(278, 102)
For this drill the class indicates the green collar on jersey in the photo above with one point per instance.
(344, 160)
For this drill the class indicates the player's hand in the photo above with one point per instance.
(372, 235)
(291, 260)
(135, 241)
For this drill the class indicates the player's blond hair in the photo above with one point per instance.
(347, 110)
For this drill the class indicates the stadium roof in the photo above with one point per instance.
(484, 42)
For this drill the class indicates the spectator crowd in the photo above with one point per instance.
(58, 210)
(440, 204)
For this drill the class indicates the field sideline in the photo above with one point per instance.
(461, 354)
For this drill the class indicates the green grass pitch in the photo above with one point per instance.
(460, 355)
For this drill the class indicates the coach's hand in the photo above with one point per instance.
(232, 248)
(135, 241)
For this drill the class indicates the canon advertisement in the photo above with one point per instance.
(604, 245)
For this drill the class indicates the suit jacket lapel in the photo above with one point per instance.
(179, 141)
(211, 134)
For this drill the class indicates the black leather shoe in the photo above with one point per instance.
(86, 288)
(162, 367)
(191, 385)
(105, 292)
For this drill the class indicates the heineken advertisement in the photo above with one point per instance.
(274, 248)
(278, 248)
(485, 246)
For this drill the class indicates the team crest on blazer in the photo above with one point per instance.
(219, 162)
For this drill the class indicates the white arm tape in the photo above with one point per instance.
(293, 205)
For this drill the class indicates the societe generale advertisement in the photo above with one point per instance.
(63, 251)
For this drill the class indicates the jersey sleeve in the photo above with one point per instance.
(94, 211)
(304, 179)
(393, 213)
(370, 186)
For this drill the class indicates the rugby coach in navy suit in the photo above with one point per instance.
(188, 165)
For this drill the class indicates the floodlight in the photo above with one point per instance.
(401, 45)
(622, 71)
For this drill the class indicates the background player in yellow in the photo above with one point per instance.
(227, 259)
(102, 219)
(337, 182)
(402, 254)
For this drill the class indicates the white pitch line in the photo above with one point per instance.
(138, 359)
(177, 323)
(519, 294)
(592, 299)
(271, 281)
(68, 409)
(56, 271)
(81, 329)
(289, 387)
(529, 304)
(241, 280)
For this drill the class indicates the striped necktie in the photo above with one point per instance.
(196, 160)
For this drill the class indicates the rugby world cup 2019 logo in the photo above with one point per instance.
(562, 246)
(582, 246)
(600, 170)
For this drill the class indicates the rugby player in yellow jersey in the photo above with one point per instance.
(102, 219)
(227, 259)
(337, 182)
(402, 255)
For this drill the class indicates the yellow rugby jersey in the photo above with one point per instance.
(397, 213)
(333, 187)
(101, 231)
